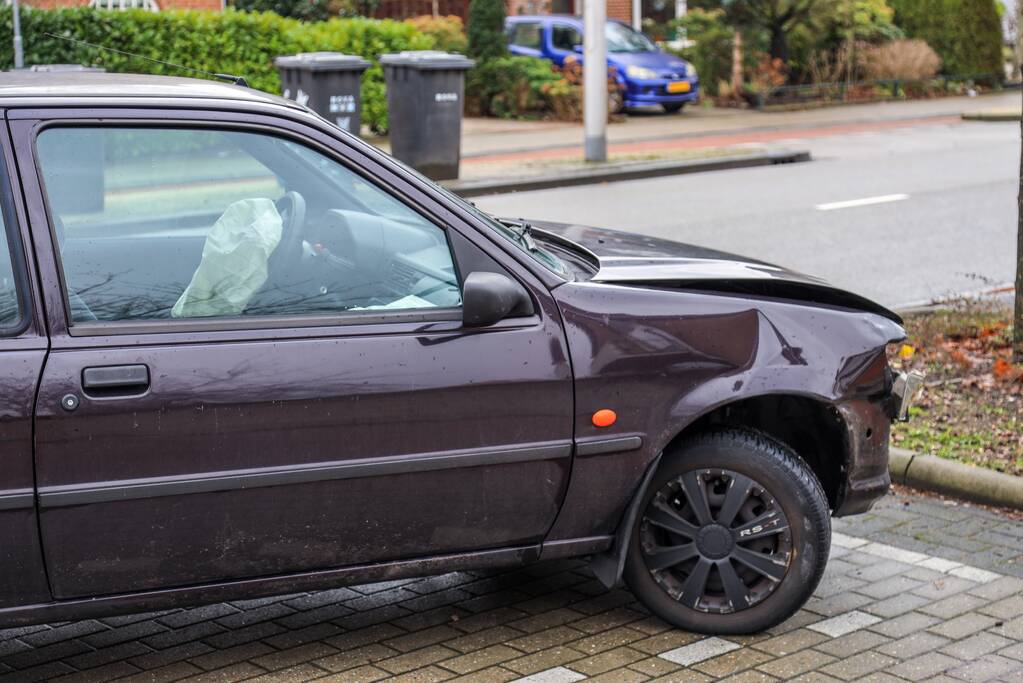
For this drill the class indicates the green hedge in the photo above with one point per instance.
(240, 43)
(966, 34)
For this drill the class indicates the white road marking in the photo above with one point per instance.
(866, 201)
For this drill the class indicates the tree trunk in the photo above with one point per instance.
(1017, 321)
(737, 63)
(780, 43)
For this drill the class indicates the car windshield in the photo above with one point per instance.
(516, 232)
(621, 38)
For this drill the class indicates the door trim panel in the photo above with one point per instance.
(105, 492)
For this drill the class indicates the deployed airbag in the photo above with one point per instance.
(234, 260)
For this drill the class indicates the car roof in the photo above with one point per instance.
(545, 18)
(36, 85)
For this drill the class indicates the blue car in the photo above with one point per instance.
(647, 75)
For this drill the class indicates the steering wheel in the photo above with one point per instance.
(291, 207)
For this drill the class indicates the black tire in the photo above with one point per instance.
(616, 102)
(788, 551)
(673, 107)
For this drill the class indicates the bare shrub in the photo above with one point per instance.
(900, 59)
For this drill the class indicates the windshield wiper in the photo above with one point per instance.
(524, 234)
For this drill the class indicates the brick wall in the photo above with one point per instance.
(620, 10)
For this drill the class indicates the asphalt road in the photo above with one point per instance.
(938, 216)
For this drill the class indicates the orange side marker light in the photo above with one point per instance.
(604, 418)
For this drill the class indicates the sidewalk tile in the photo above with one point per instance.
(687, 655)
(556, 675)
(844, 623)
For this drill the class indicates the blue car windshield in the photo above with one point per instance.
(621, 38)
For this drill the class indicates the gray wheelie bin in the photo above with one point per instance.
(329, 83)
(425, 92)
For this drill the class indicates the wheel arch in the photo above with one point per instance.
(773, 414)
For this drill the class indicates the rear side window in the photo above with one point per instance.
(10, 311)
(526, 35)
(565, 37)
(178, 223)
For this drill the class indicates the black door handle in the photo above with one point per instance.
(116, 380)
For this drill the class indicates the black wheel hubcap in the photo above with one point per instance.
(716, 540)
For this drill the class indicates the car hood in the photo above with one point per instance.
(628, 258)
(660, 61)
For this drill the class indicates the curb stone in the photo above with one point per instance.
(977, 484)
(993, 116)
(628, 171)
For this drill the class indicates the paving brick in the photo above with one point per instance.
(76, 629)
(896, 605)
(607, 661)
(481, 639)
(423, 638)
(295, 674)
(622, 635)
(904, 624)
(170, 655)
(788, 643)
(858, 666)
(194, 616)
(434, 673)
(228, 674)
(975, 646)
(792, 665)
(363, 674)
(654, 666)
(913, 645)
(101, 674)
(732, 662)
(923, 666)
(852, 643)
(988, 668)
(544, 639)
(687, 655)
(480, 659)
(963, 626)
(953, 605)
(309, 634)
(232, 655)
(664, 641)
(545, 659)
(165, 674)
(844, 623)
(1006, 608)
(553, 675)
(415, 659)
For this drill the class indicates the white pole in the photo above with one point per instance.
(595, 80)
(637, 14)
(19, 55)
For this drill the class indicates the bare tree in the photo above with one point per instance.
(1017, 321)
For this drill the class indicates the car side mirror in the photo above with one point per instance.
(577, 48)
(490, 297)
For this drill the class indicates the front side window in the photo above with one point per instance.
(191, 223)
(564, 37)
(526, 35)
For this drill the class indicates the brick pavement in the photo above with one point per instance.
(915, 590)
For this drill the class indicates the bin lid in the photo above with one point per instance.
(427, 59)
(323, 61)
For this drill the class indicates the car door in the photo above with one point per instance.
(234, 391)
(525, 39)
(564, 38)
(23, 346)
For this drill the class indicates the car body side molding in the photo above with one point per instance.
(102, 492)
(17, 499)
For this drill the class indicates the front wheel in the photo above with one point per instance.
(672, 107)
(733, 534)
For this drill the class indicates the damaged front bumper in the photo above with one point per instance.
(867, 433)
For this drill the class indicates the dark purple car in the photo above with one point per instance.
(245, 353)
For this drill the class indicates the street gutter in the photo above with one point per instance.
(625, 171)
